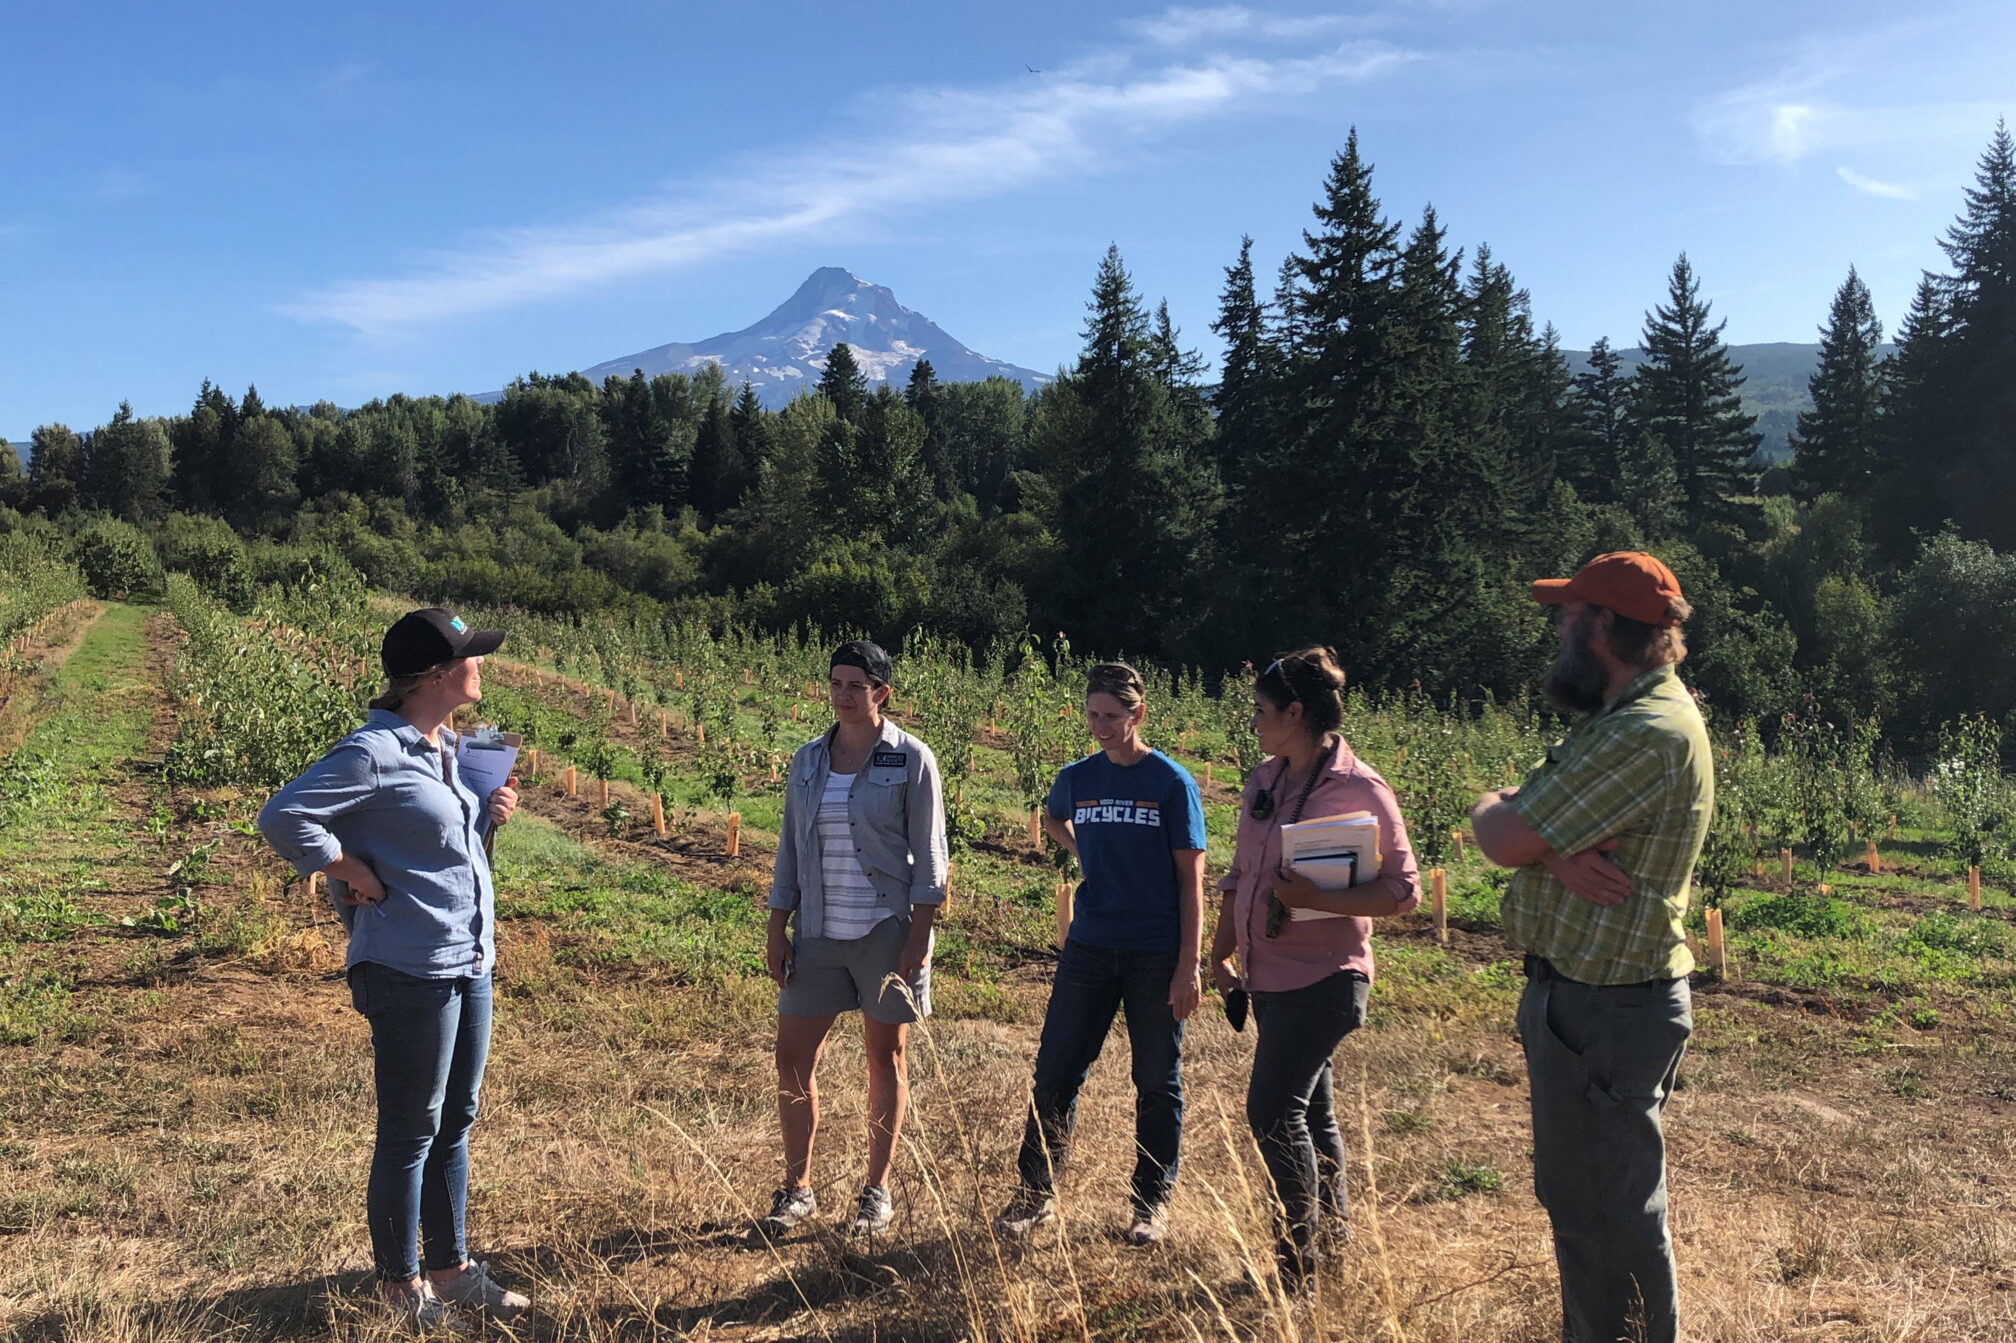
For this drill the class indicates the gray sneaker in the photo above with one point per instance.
(419, 1307)
(788, 1207)
(873, 1212)
(1029, 1209)
(1149, 1227)
(477, 1289)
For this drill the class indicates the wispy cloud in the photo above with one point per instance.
(956, 144)
(1839, 93)
(1873, 187)
(1187, 27)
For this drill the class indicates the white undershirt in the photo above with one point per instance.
(852, 909)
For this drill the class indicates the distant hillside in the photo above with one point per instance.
(1774, 385)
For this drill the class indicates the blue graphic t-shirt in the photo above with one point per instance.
(1129, 820)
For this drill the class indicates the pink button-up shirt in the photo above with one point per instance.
(1311, 949)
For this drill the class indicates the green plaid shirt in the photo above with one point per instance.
(1640, 771)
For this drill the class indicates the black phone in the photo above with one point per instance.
(1235, 1009)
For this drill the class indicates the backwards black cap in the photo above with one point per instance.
(867, 656)
(430, 637)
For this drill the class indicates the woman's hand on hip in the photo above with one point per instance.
(504, 801)
(361, 884)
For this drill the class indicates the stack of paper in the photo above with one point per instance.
(485, 757)
(1335, 852)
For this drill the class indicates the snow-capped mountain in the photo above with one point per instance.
(785, 353)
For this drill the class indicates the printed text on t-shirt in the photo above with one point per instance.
(1117, 811)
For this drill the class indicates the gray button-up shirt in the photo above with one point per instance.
(896, 812)
(385, 796)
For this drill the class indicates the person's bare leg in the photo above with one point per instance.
(800, 1042)
(888, 1093)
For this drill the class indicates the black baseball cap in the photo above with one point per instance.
(430, 637)
(867, 656)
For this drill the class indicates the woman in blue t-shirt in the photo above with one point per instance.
(1132, 818)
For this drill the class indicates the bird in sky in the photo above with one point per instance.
(1030, 68)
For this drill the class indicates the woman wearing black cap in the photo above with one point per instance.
(861, 864)
(386, 816)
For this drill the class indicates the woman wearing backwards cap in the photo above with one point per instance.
(388, 819)
(861, 863)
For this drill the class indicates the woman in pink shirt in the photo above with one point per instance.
(1307, 978)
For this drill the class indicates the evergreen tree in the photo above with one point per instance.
(201, 478)
(1599, 441)
(1917, 424)
(55, 467)
(126, 467)
(926, 397)
(13, 480)
(1689, 398)
(1249, 373)
(719, 474)
(1330, 478)
(843, 383)
(1835, 444)
(1648, 486)
(265, 465)
(1134, 499)
(1979, 382)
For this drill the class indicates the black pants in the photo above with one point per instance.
(1291, 1105)
(1093, 985)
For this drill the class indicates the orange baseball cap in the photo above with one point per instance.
(1629, 582)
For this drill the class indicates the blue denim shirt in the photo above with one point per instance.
(380, 795)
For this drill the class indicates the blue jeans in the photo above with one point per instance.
(429, 1040)
(1291, 1106)
(1092, 984)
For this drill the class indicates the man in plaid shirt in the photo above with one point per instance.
(1604, 835)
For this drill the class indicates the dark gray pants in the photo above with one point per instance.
(1602, 1062)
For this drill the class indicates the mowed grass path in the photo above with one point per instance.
(72, 848)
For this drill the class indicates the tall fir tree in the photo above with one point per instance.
(1689, 398)
(126, 467)
(1249, 372)
(1329, 479)
(1834, 446)
(1135, 499)
(843, 383)
(1599, 440)
(926, 397)
(1980, 382)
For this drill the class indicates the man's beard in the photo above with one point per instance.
(1576, 681)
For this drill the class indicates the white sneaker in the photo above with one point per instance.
(420, 1307)
(788, 1207)
(1029, 1209)
(1149, 1227)
(477, 1289)
(873, 1212)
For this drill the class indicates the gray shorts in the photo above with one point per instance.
(830, 976)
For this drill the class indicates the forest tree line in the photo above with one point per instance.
(1392, 448)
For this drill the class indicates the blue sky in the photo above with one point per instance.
(363, 199)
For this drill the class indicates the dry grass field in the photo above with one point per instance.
(185, 1113)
